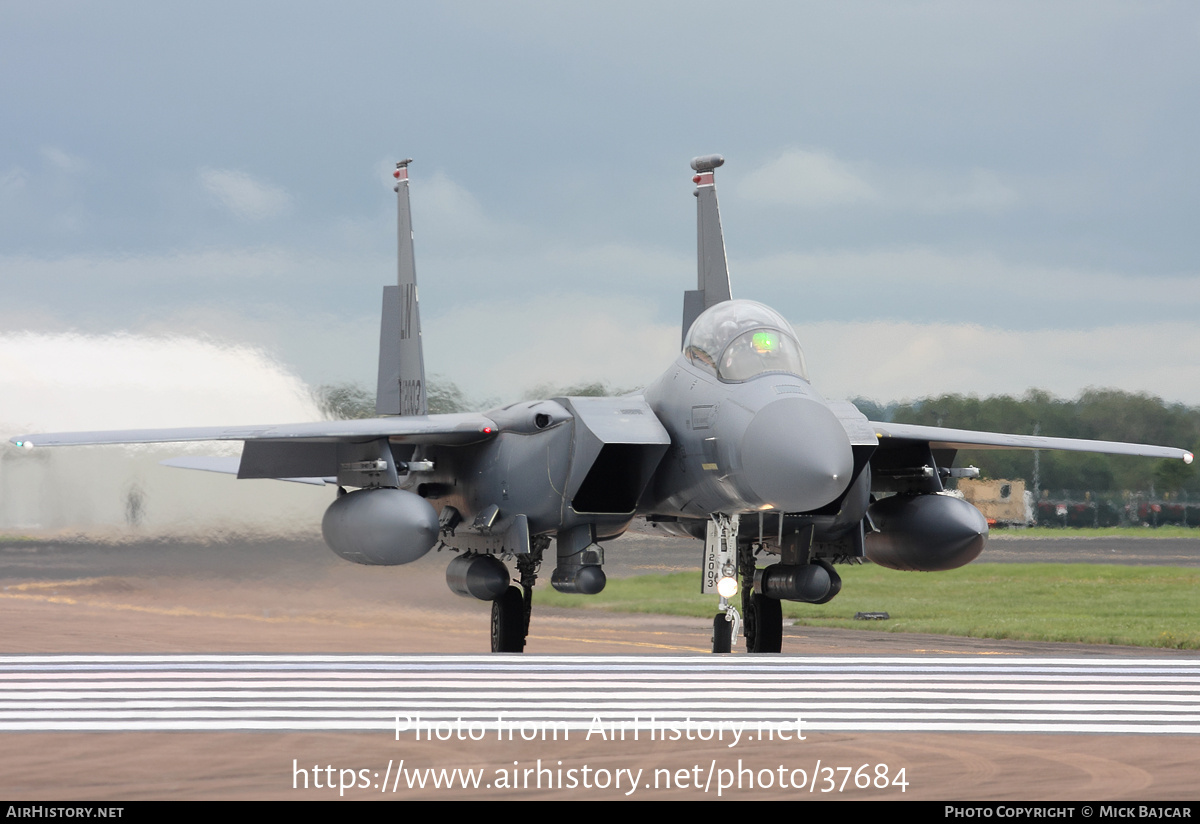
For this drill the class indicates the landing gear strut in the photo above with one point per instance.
(511, 611)
(764, 616)
(720, 576)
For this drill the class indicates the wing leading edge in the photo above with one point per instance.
(449, 430)
(942, 438)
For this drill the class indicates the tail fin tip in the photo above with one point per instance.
(706, 163)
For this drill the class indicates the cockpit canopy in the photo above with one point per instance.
(739, 339)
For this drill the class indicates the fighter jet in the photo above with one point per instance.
(732, 445)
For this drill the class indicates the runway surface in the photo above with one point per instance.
(299, 606)
(290, 693)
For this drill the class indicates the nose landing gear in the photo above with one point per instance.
(720, 577)
(724, 630)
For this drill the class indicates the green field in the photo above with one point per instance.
(1099, 532)
(1085, 603)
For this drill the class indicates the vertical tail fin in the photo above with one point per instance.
(712, 284)
(401, 388)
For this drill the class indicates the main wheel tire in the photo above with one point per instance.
(767, 615)
(722, 634)
(749, 621)
(508, 621)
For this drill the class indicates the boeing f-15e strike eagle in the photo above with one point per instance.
(732, 445)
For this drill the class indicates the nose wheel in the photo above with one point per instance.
(726, 625)
(722, 638)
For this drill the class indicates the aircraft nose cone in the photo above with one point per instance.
(796, 455)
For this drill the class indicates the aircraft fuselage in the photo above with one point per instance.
(768, 443)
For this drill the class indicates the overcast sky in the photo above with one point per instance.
(968, 197)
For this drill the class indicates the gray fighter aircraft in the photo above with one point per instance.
(732, 445)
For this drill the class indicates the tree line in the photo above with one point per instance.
(1097, 414)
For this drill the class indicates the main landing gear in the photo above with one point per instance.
(764, 616)
(511, 611)
(510, 620)
(764, 624)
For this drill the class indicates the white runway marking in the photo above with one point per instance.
(213, 693)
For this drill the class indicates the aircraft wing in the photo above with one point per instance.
(942, 438)
(352, 452)
(232, 466)
(450, 430)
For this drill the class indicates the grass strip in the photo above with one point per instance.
(1082, 603)
(1032, 532)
